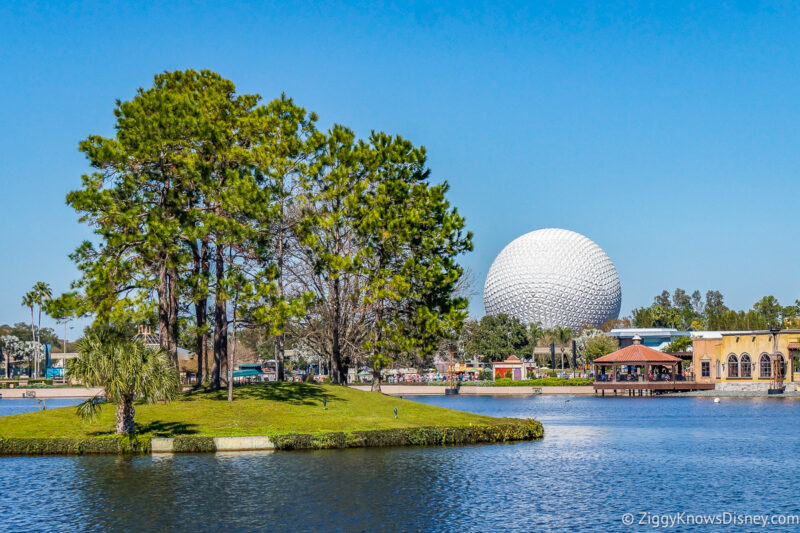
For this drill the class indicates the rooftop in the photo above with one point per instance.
(646, 332)
(637, 353)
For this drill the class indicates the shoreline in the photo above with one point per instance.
(466, 390)
(265, 416)
(509, 431)
(47, 393)
(732, 394)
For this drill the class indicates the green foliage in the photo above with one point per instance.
(32, 384)
(686, 312)
(205, 193)
(82, 446)
(498, 337)
(127, 371)
(23, 332)
(511, 430)
(597, 347)
(680, 344)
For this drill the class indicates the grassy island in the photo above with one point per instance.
(291, 415)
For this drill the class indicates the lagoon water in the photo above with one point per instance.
(600, 458)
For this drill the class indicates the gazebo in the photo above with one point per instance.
(637, 363)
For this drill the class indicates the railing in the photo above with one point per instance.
(641, 378)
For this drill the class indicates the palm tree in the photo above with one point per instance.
(535, 332)
(42, 292)
(562, 336)
(127, 370)
(29, 301)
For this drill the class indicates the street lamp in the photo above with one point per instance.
(776, 384)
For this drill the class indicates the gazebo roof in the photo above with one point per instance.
(637, 353)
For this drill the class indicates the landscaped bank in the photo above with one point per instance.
(287, 415)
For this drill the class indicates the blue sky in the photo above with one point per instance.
(667, 134)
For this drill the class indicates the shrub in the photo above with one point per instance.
(192, 444)
(421, 436)
(54, 446)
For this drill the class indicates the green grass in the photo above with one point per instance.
(268, 409)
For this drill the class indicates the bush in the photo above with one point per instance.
(98, 445)
(33, 383)
(191, 444)
(423, 436)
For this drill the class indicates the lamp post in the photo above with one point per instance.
(776, 384)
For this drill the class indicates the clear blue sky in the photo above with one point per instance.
(669, 135)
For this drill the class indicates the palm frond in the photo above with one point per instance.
(89, 409)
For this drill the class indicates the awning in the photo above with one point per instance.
(250, 372)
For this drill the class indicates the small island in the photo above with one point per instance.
(284, 416)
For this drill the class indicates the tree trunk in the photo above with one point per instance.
(336, 348)
(200, 339)
(173, 315)
(220, 321)
(231, 362)
(163, 306)
(125, 414)
(232, 355)
(33, 339)
(280, 350)
(39, 341)
(200, 271)
(280, 340)
(376, 380)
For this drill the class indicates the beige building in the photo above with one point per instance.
(742, 360)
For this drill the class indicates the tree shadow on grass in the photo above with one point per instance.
(158, 429)
(292, 393)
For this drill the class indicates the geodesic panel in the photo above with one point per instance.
(556, 277)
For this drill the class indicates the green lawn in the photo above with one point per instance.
(264, 409)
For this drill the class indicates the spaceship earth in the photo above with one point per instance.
(556, 277)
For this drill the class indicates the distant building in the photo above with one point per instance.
(512, 368)
(656, 338)
(741, 360)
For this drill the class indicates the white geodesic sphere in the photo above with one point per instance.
(556, 277)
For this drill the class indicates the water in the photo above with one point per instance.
(13, 406)
(600, 458)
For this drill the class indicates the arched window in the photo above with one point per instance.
(765, 366)
(745, 366)
(733, 366)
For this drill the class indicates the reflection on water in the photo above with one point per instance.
(599, 459)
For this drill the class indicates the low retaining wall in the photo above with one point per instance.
(757, 386)
(68, 392)
(427, 390)
(515, 430)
